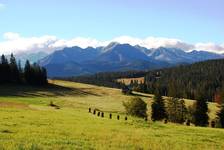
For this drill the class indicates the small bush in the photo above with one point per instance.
(126, 90)
(136, 107)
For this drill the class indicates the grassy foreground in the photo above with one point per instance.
(27, 122)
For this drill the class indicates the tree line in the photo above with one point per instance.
(203, 79)
(13, 73)
(107, 79)
(174, 110)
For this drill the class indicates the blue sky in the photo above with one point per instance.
(192, 21)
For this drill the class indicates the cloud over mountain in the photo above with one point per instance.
(15, 43)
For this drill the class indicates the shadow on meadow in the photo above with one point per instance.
(48, 90)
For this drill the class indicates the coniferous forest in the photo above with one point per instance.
(12, 72)
(200, 80)
(203, 79)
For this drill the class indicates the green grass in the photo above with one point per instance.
(27, 122)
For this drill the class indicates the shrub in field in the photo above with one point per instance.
(136, 107)
(126, 90)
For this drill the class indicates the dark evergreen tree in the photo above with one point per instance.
(15, 75)
(200, 113)
(176, 110)
(158, 108)
(34, 74)
(21, 73)
(220, 115)
(5, 70)
(44, 76)
(28, 72)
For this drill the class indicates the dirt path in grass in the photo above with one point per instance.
(14, 105)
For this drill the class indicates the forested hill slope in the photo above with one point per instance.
(203, 79)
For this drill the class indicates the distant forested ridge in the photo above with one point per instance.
(11, 72)
(107, 79)
(203, 79)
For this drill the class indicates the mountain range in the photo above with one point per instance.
(32, 57)
(76, 61)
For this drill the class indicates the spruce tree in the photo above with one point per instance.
(27, 72)
(15, 76)
(220, 115)
(200, 114)
(5, 74)
(44, 76)
(158, 107)
(21, 73)
(176, 110)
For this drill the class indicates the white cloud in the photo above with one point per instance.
(212, 47)
(15, 43)
(11, 36)
(154, 42)
(79, 41)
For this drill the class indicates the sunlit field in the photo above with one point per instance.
(28, 122)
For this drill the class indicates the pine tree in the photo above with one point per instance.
(5, 74)
(15, 76)
(21, 73)
(44, 76)
(176, 110)
(220, 115)
(158, 108)
(182, 109)
(200, 114)
(27, 72)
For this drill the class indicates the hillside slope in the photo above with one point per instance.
(29, 123)
(202, 79)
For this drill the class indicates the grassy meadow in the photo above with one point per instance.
(127, 81)
(28, 122)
